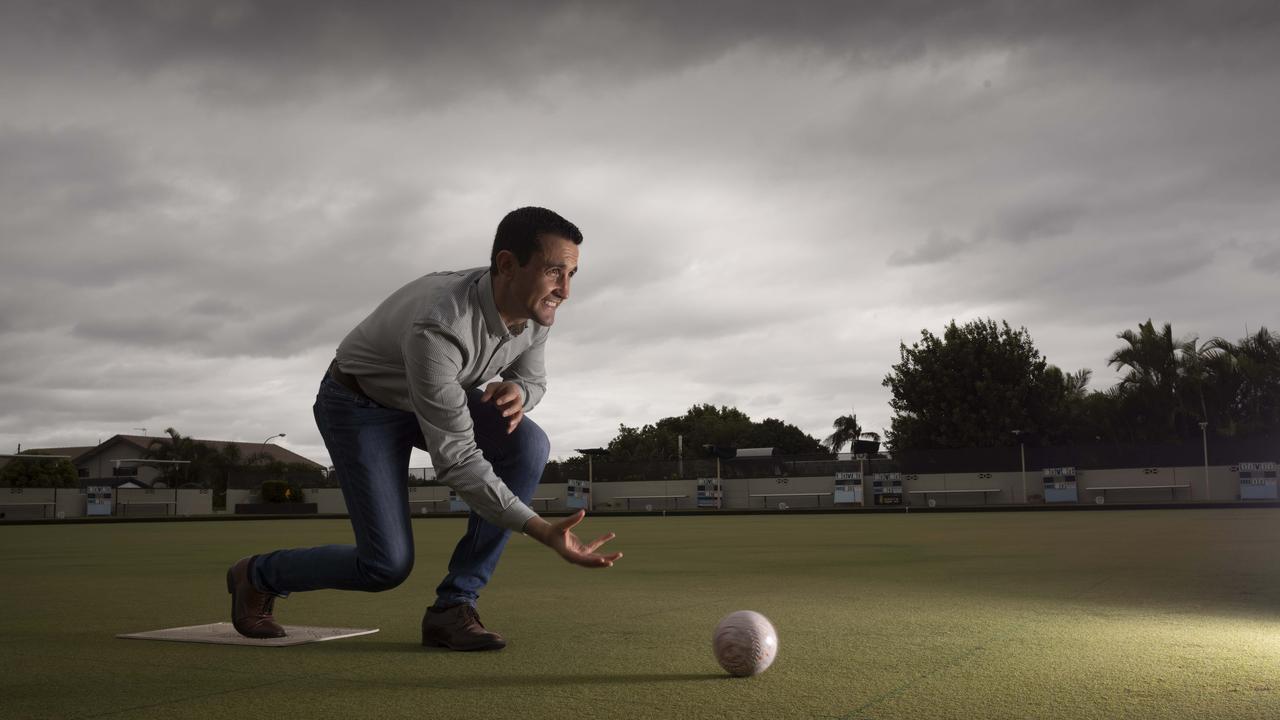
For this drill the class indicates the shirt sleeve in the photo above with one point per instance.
(529, 371)
(433, 358)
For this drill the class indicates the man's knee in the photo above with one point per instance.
(387, 572)
(531, 442)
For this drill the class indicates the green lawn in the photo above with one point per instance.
(1116, 614)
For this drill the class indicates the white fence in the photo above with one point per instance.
(1119, 486)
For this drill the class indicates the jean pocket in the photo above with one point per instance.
(332, 390)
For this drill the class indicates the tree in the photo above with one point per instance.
(1253, 366)
(707, 425)
(197, 459)
(971, 388)
(1149, 388)
(23, 473)
(847, 430)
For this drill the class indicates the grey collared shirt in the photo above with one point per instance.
(422, 349)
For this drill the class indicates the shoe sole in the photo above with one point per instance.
(432, 642)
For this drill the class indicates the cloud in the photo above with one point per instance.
(1268, 261)
(198, 200)
(935, 249)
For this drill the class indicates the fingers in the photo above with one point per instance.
(591, 548)
(570, 522)
(597, 560)
(509, 400)
(514, 421)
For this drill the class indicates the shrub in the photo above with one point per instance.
(281, 492)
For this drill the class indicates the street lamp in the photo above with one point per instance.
(590, 453)
(1204, 437)
(1022, 453)
(273, 437)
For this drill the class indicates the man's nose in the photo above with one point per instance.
(563, 288)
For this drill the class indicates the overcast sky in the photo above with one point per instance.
(199, 199)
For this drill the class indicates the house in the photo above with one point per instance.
(114, 461)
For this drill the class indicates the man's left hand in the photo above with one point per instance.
(510, 401)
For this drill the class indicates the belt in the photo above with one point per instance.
(344, 379)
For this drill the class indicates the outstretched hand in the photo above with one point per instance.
(559, 536)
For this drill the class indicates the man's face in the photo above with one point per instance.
(539, 287)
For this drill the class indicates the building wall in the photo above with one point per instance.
(613, 496)
(102, 465)
(658, 495)
(327, 500)
(162, 502)
(237, 496)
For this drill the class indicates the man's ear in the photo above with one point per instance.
(506, 262)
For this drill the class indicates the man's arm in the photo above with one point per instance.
(529, 372)
(433, 360)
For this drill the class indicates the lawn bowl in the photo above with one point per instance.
(745, 643)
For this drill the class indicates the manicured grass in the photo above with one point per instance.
(1141, 614)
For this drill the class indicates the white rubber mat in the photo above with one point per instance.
(224, 634)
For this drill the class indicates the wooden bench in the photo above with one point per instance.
(432, 503)
(629, 498)
(44, 512)
(927, 493)
(166, 504)
(766, 496)
(1104, 488)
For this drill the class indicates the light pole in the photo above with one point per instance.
(1204, 437)
(590, 453)
(273, 437)
(1022, 453)
(680, 455)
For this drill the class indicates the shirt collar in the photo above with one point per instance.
(492, 318)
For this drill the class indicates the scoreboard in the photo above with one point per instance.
(1257, 480)
(578, 494)
(709, 493)
(1060, 485)
(848, 488)
(886, 488)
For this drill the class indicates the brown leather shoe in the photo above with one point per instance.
(250, 607)
(458, 628)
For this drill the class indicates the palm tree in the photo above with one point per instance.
(1077, 384)
(847, 430)
(176, 449)
(1151, 381)
(1256, 360)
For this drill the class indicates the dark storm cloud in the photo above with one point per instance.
(71, 174)
(199, 199)
(1269, 261)
(264, 50)
(935, 249)
(1036, 222)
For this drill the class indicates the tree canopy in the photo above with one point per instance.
(977, 383)
(20, 472)
(1171, 385)
(972, 387)
(708, 425)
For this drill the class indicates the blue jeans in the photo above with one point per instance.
(370, 445)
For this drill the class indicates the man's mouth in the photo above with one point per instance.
(552, 303)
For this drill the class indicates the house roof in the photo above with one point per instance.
(143, 442)
(73, 452)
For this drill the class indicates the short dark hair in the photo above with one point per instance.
(520, 233)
